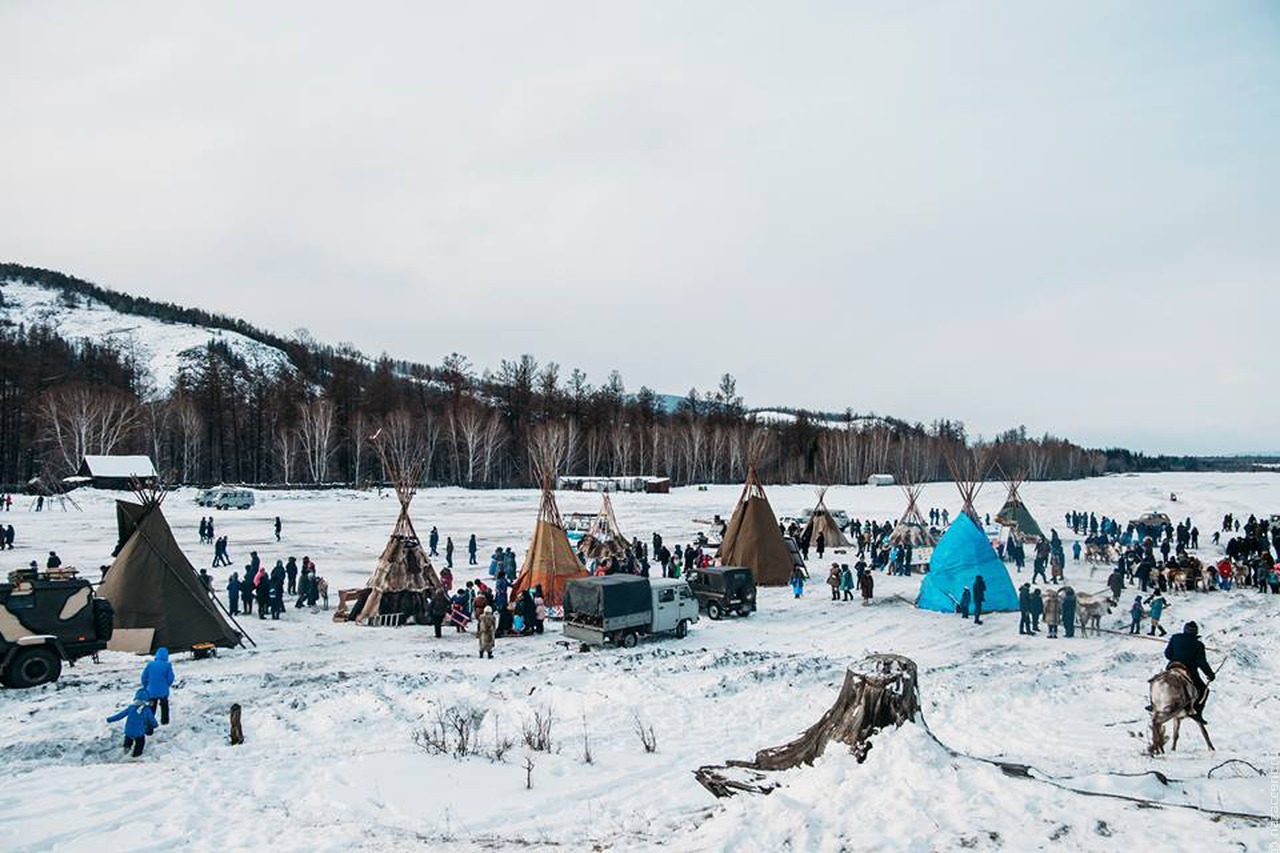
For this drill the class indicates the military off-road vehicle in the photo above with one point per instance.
(724, 589)
(47, 618)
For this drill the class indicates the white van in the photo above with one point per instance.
(224, 497)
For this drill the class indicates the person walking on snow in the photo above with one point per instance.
(1135, 616)
(157, 677)
(866, 585)
(138, 720)
(486, 625)
(833, 581)
(1157, 603)
(277, 525)
(1024, 609)
(471, 551)
(797, 582)
(448, 552)
(1052, 613)
(979, 595)
(433, 541)
(1069, 610)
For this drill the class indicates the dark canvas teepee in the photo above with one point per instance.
(752, 538)
(820, 521)
(403, 579)
(605, 538)
(151, 584)
(549, 562)
(1014, 514)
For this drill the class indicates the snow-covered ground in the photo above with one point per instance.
(161, 349)
(330, 709)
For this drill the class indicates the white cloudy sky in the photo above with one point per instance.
(1063, 214)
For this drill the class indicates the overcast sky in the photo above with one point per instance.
(1064, 214)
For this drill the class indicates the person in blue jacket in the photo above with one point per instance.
(233, 593)
(138, 720)
(157, 676)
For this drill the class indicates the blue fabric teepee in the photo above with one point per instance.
(963, 552)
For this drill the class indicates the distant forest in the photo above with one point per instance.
(226, 420)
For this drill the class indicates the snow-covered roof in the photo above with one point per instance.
(119, 466)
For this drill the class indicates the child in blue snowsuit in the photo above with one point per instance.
(797, 583)
(1135, 612)
(138, 720)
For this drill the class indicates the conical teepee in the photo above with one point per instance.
(752, 538)
(403, 579)
(963, 553)
(549, 561)
(152, 584)
(820, 521)
(911, 528)
(604, 538)
(1014, 514)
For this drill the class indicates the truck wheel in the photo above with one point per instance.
(629, 640)
(713, 610)
(744, 612)
(682, 628)
(31, 667)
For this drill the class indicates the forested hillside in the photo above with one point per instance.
(306, 417)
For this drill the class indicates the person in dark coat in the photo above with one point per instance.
(448, 551)
(1115, 582)
(1069, 611)
(246, 591)
(233, 593)
(138, 720)
(1037, 610)
(262, 589)
(433, 541)
(291, 572)
(1186, 649)
(277, 526)
(471, 550)
(963, 607)
(1024, 609)
(979, 595)
(439, 608)
(866, 585)
(54, 560)
(157, 677)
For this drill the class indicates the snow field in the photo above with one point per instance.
(330, 709)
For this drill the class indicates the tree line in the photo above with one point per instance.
(228, 420)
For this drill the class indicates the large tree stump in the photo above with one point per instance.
(880, 692)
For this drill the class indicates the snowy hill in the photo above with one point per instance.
(163, 349)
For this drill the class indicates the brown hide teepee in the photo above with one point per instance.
(152, 584)
(605, 538)
(820, 521)
(911, 529)
(549, 562)
(403, 579)
(753, 539)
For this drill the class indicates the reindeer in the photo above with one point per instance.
(1173, 697)
(1090, 608)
